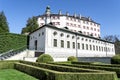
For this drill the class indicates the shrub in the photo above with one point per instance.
(46, 74)
(58, 67)
(115, 59)
(114, 68)
(11, 41)
(7, 64)
(72, 58)
(44, 58)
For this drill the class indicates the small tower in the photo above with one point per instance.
(47, 15)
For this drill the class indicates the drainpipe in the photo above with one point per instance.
(106, 48)
(76, 46)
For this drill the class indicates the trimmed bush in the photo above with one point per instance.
(115, 59)
(7, 64)
(58, 67)
(72, 58)
(44, 58)
(92, 66)
(46, 74)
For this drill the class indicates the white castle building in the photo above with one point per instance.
(62, 35)
(75, 23)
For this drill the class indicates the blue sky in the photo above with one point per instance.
(105, 12)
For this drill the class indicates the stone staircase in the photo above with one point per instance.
(7, 55)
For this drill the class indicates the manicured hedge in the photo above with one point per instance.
(115, 69)
(7, 64)
(92, 63)
(58, 67)
(45, 74)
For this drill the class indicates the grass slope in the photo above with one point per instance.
(10, 41)
(11, 74)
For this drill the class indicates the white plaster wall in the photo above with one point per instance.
(37, 35)
(58, 51)
(66, 52)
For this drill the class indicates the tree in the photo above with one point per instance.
(3, 23)
(115, 39)
(31, 25)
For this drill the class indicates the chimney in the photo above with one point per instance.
(74, 14)
(80, 16)
(59, 12)
(67, 13)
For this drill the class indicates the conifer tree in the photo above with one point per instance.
(3, 23)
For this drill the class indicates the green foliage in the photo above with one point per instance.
(31, 25)
(58, 67)
(115, 59)
(116, 40)
(7, 64)
(3, 23)
(72, 58)
(115, 68)
(44, 58)
(12, 74)
(10, 41)
(45, 71)
(55, 75)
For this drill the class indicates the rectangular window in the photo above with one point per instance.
(73, 45)
(90, 47)
(96, 48)
(93, 47)
(86, 46)
(55, 43)
(62, 43)
(78, 45)
(83, 46)
(68, 44)
(99, 48)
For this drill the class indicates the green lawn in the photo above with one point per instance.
(11, 74)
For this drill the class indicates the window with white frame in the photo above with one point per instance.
(55, 42)
(73, 45)
(62, 43)
(68, 44)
